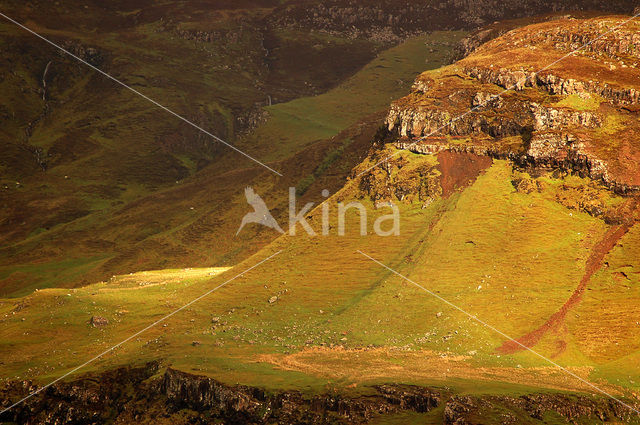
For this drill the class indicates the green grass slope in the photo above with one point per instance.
(339, 319)
(294, 124)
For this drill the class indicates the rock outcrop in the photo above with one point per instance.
(390, 20)
(505, 100)
(466, 410)
(242, 404)
(107, 398)
(519, 80)
(489, 117)
(135, 395)
(89, 54)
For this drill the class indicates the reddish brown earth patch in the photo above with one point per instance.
(561, 346)
(459, 170)
(594, 263)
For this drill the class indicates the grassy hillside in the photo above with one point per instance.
(537, 246)
(480, 248)
(153, 183)
(294, 124)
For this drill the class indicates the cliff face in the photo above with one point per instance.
(463, 410)
(107, 397)
(131, 395)
(241, 404)
(498, 28)
(555, 84)
(392, 19)
(526, 97)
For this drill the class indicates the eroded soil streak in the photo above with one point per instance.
(460, 170)
(594, 263)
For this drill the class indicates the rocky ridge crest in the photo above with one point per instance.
(505, 101)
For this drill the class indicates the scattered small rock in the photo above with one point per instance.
(97, 321)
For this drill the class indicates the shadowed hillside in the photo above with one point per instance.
(96, 181)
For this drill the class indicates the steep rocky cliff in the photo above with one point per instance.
(530, 97)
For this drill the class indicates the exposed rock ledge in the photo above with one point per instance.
(520, 79)
(552, 151)
(418, 121)
(135, 395)
(242, 404)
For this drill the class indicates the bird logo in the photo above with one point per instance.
(260, 214)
